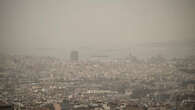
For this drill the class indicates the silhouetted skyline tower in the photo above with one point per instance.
(74, 56)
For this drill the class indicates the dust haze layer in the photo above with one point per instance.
(55, 27)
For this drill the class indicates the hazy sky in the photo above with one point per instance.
(94, 23)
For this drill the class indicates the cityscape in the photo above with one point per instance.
(97, 54)
(49, 83)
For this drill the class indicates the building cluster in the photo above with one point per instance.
(47, 83)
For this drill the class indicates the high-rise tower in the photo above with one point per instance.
(74, 56)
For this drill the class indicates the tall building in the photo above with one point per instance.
(74, 56)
